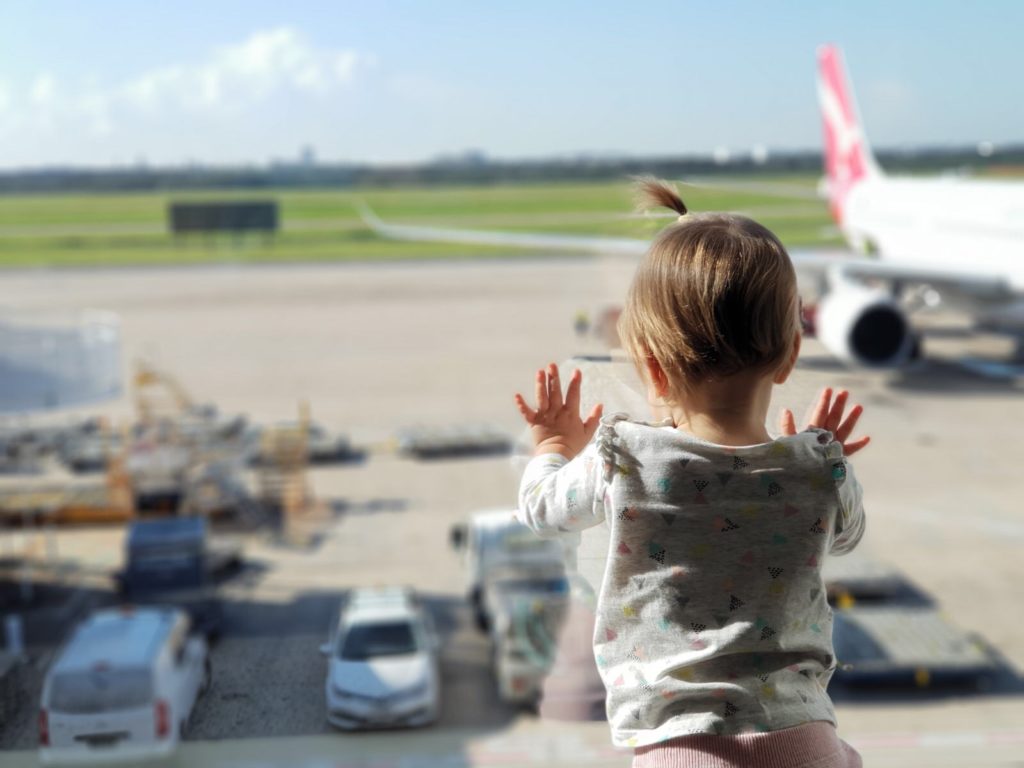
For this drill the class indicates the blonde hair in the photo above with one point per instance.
(715, 295)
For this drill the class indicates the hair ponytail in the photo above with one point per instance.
(657, 193)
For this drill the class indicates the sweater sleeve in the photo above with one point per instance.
(557, 495)
(849, 525)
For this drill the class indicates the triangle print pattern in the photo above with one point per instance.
(656, 552)
(738, 577)
(700, 485)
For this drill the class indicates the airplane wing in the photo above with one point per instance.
(967, 286)
(835, 264)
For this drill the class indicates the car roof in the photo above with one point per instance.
(494, 518)
(375, 604)
(118, 637)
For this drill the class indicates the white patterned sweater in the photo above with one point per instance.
(712, 615)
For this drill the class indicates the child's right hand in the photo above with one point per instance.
(829, 415)
(555, 424)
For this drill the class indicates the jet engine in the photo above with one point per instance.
(865, 326)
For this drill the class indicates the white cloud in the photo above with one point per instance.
(277, 61)
(268, 67)
(43, 91)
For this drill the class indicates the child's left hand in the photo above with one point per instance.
(556, 425)
(829, 414)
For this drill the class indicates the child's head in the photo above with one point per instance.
(715, 296)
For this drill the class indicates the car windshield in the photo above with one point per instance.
(101, 690)
(367, 641)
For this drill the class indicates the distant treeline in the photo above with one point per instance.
(473, 171)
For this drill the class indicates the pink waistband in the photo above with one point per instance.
(811, 745)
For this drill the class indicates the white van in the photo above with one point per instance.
(122, 689)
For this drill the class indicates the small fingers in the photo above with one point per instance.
(572, 394)
(542, 392)
(787, 424)
(554, 387)
(852, 447)
(821, 408)
(845, 429)
(528, 413)
(835, 414)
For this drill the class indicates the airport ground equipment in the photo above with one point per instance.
(27, 449)
(323, 446)
(175, 561)
(517, 586)
(68, 501)
(527, 606)
(888, 633)
(122, 688)
(857, 576)
(383, 667)
(21, 452)
(453, 442)
(282, 466)
(181, 456)
(234, 217)
(885, 645)
(283, 487)
(159, 396)
(495, 539)
(90, 447)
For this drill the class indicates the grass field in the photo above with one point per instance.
(322, 225)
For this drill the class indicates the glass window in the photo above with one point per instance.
(366, 641)
(101, 690)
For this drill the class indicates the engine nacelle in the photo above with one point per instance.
(866, 327)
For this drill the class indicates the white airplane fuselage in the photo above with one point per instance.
(955, 225)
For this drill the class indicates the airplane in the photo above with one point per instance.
(913, 242)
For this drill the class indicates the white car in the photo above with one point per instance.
(122, 688)
(382, 668)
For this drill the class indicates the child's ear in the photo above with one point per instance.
(656, 376)
(787, 367)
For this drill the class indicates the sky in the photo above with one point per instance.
(122, 82)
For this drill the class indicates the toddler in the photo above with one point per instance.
(713, 632)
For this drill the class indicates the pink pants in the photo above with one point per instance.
(811, 745)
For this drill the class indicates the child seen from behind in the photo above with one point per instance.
(713, 634)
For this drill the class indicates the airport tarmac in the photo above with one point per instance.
(375, 348)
